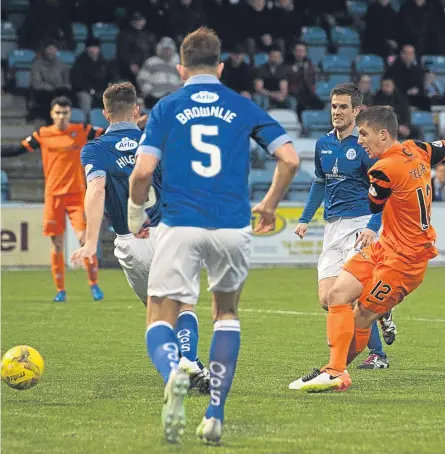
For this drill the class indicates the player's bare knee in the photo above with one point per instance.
(364, 317)
(162, 310)
(336, 296)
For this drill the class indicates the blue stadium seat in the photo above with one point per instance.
(105, 32)
(97, 118)
(78, 116)
(66, 56)
(347, 41)
(336, 64)
(316, 122)
(261, 177)
(425, 120)
(335, 79)
(373, 65)
(9, 39)
(260, 58)
(17, 5)
(357, 8)
(257, 193)
(22, 79)
(435, 63)
(317, 42)
(21, 58)
(80, 32)
(5, 187)
(80, 47)
(287, 118)
(323, 90)
(108, 51)
(224, 56)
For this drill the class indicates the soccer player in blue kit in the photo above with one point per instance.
(341, 180)
(201, 136)
(108, 162)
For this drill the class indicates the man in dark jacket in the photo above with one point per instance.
(90, 76)
(237, 74)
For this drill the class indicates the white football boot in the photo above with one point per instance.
(317, 381)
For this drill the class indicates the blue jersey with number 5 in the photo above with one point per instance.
(201, 134)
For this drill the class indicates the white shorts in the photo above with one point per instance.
(135, 256)
(180, 252)
(338, 244)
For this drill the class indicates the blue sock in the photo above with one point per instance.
(162, 348)
(375, 343)
(222, 364)
(187, 334)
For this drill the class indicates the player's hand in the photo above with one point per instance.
(267, 218)
(143, 233)
(85, 252)
(366, 237)
(301, 229)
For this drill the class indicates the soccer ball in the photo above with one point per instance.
(22, 367)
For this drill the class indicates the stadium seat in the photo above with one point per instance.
(9, 39)
(317, 42)
(373, 65)
(5, 187)
(425, 121)
(97, 118)
(347, 41)
(323, 90)
(80, 47)
(357, 8)
(224, 56)
(260, 58)
(316, 122)
(105, 32)
(66, 56)
(288, 120)
(21, 58)
(336, 64)
(335, 79)
(260, 177)
(80, 32)
(108, 51)
(257, 193)
(435, 63)
(78, 116)
(17, 5)
(22, 79)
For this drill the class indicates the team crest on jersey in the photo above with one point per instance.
(437, 143)
(126, 144)
(205, 97)
(351, 154)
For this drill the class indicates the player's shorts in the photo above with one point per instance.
(338, 244)
(57, 206)
(180, 252)
(386, 278)
(135, 256)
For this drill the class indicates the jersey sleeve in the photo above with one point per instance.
(93, 132)
(319, 174)
(266, 131)
(32, 142)
(92, 163)
(380, 188)
(155, 133)
(435, 150)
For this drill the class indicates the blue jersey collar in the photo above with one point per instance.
(354, 133)
(202, 79)
(122, 125)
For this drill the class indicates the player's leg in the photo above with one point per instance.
(324, 287)
(76, 214)
(227, 261)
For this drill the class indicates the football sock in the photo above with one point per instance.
(358, 344)
(222, 364)
(375, 344)
(162, 348)
(92, 270)
(187, 334)
(58, 269)
(340, 328)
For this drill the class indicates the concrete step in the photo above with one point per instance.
(17, 131)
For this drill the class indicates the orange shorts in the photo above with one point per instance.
(386, 279)
(54, 213)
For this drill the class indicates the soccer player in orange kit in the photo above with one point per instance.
(60, 145)
(382, 274)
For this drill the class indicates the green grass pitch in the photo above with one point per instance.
(100, 393)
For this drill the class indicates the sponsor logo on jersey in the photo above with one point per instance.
(280, 225)
(334, 174)
(351, 154)
(437, 143)
(126, 144)
(205, 97)
(326, 152)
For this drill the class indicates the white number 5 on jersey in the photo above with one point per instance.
(197, 131)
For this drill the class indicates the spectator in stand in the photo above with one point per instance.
(438, 184)
(436, 29)
(134, 46)
(90, 76)
(435, 89)
(156, 13)
(50, 77)
(237, 74)
(158, 76)
(288, 22)
(413, 23)
(409, 78)
(364, 84)
(301, 79)
(271, 85)
(185, 16)
(389, 95)
(380, 35)
(46, 20)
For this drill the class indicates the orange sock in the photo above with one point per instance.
(58, 269)
(340, 327)
(359, 342)
(92, 270)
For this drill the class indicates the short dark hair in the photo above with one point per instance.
(119, 97)
(348, 89)
(62, 101)
(378, 118)
(201, 48)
